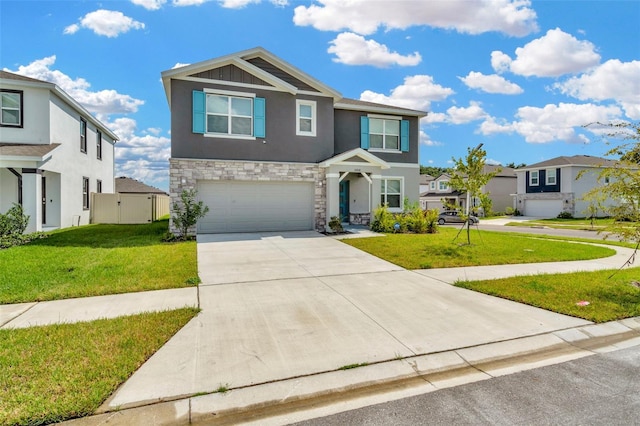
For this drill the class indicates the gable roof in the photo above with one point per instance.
(357, 105)
(365, 156)
(575, 160)
(260, 63)
(21, 80)
(425, 178)
(131, 186)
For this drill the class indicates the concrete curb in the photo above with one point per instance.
(301, 398)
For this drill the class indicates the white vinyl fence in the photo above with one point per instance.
(128, 208)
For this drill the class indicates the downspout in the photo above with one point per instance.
(19, 176)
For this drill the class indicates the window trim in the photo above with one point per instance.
(548, 175)
(433, 185)
(385, 179)
(98, 186)
(444, 183)
(384, 118)
(537, 178)
(229, 94)
(313, 118)
(85, 193)
(83, 135)
(98, 144)
(20, 125)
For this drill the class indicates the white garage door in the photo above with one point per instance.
(256, 206)
(543, 208)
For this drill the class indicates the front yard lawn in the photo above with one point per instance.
(426, 251)
(574, 223)
(96, 260)
(58, 372)
(609, 298)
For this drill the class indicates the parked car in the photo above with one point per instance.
(453, 217)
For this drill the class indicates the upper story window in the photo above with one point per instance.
(433, 185)
(99, 145)
(305, 118)
(391, 193)
(443, 185)
(228, 114)
(551, 176)
(11, 105)
(384, 133)
(534, 178)
(83, 135)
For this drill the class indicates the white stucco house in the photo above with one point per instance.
(551, 187)
(53, 153)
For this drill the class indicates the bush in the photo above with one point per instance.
(413, 219)
(14, 221)
(187, 213)
(335, 224)
(565, 215)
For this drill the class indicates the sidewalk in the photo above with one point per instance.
(280, 344)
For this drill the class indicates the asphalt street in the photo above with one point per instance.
(602, 389)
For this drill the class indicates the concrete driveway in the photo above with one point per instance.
(287, 305)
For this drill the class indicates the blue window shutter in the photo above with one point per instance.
(259, 123)
(199, 111)
(404, 135)
(364, 132)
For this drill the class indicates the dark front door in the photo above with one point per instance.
(44, 200)
(344, 200)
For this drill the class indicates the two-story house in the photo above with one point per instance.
(53, 153)
(270, 148)
(551, 187)
(500, 188)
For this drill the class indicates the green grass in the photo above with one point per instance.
(59, 372)
(575, 223)
(609, 298)
(425, 251)
(96, 260)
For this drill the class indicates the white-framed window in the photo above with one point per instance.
(443, 185)
(229, 115)
(83, 135)
(550, 176)
(99, 186)
(433, 185)
(534, 178)
(85, 193)
(98, 144)
(391, 193)
(11, 108)
(384, 134)
(305, 118)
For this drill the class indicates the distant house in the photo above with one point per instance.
(500, 188)
(53, 153)
(550, 187)
(125, 185)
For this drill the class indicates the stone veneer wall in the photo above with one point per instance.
(185, 173)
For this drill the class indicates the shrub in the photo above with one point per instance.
(336, 224)
(187, 213)
(383, 220)
(431, 217)
(14, 221)
(509, 211)
(565, 215)
(413, 219)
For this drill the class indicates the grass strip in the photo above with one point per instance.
(608, 299)
(59, 372)
(96, 260)
(426, 251)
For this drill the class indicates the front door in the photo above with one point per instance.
(344, 200)
(44, 200)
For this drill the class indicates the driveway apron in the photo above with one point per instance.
(285, 305)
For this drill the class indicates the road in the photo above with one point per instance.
(601, 389)
(576, 233)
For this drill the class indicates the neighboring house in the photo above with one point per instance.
(125, 185)
(500, 188)
(550, 187)
(53, 153)
(426, 183)
(270, 148)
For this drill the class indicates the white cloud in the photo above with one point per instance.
(614, 79)
(352, 49)
(109, 23)
(491, 83)
(426, 140)
(500, 61)
(236, 4)
(515, 18)
(150, 4)
(552, 55)
(434, 117)
(461, 115)
(99, 102)
(179, 65)
(417, 92)
(180, 3)
(553, 122)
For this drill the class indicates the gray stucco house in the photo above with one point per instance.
(270, 148)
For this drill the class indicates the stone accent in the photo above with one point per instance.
(360, 218)
(185, 174)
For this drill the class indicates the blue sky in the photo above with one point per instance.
(520, 76)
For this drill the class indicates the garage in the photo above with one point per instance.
(236, 206)
(543, 208)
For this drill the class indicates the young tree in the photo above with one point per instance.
(187, 213)
(468, 175)
(621, 183)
